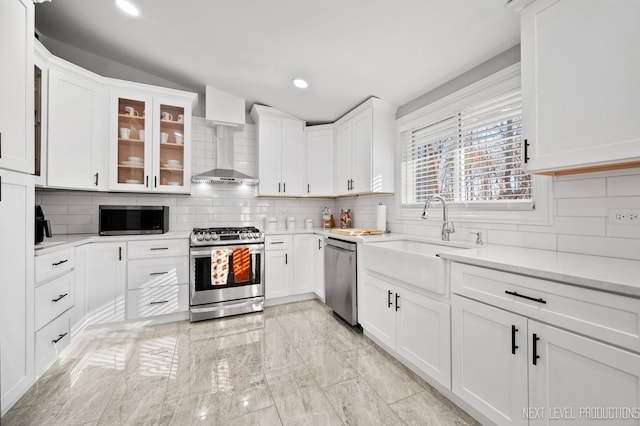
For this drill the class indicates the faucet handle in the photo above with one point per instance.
(478, 235)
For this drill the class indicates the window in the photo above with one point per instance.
(473, 155)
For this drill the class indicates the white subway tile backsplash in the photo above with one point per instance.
(580, 188)
(571, 225)
(623, 231)
(600, 246)
(533, 240)
(595, 206)
(623, 185)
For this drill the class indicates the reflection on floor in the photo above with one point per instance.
(291, 364)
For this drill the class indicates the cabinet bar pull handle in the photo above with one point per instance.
(159, 248)
(526, 151)
(277, 242)
(514, 330)
(158, 273)
(319, 244)
(60, 263)
(389, 303)
(397, 298)
(155, 181)
(147, 182)
(514, 293)
(60, 337)
(308, 188)
(160, 302)
(119, 253)
(97, 174)
(286, 258)
(62, 296)
(535, 349)
(279, 187)
(284, 187)
(348, 185)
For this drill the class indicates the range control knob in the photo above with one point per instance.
(199, 236)
(215, 237)
(243, 236)
(207, 236)
(256, 235)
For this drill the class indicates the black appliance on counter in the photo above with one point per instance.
(133, 220)
(43, 226)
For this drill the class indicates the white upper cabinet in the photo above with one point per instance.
(150, 142)
(580, 91)
(280, 152)
(363, 151)
(16, 85)
(77, 130)
(319, 160)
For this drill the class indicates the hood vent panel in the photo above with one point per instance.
(224, 173)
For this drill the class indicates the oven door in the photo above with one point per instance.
(224, 273)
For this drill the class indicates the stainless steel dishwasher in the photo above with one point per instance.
(341, 287)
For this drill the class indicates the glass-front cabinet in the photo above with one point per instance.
(150, 143)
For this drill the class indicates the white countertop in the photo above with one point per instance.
(601, 273)
(58, 242)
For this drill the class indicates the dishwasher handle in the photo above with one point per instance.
(339, 244)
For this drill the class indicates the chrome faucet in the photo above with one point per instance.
(447, 227)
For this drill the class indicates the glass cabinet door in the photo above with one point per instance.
(173, 149)
(132, 151)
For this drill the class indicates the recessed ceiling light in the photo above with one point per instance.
(127, 7)
(300, 83)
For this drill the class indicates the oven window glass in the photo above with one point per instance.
(227, 268)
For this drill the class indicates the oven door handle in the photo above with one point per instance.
(201, 252)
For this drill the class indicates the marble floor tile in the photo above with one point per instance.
(293, 364)
(267, 417)
(358, 404)
(389, 380)
(424, 409)
(325, 364)
(299, 399)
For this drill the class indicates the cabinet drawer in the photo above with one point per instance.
(51, 340)
(163, 271)
(277, 242)
(605, 316)
(148, 302)
(53, 298)
(158, 248)
(52, 264)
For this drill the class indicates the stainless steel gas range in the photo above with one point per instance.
(226, 272)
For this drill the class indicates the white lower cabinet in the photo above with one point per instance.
(51, 340)
(413, 325)
(153, 301)
(157, 278)
(303, 263)
(277, 274)
(489, 357)
(16, 285)
(102, 270)
(515, 368)
(294, 265)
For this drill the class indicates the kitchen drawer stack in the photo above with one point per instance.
(158, 278)
(54, 297)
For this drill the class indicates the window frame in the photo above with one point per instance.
(538, 210)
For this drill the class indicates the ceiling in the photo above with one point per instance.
(347, 50)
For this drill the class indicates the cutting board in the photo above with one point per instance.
(357, 232)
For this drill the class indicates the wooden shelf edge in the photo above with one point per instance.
(590, 169)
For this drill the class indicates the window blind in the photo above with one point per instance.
(474, 155)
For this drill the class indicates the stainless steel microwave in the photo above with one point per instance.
(132, 220)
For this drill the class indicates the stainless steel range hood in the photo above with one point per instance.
(225, 172)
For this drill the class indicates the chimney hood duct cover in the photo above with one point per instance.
(225, 172)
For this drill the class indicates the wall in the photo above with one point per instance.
(581, 205)
(76, 212)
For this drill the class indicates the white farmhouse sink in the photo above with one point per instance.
(412, 261)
